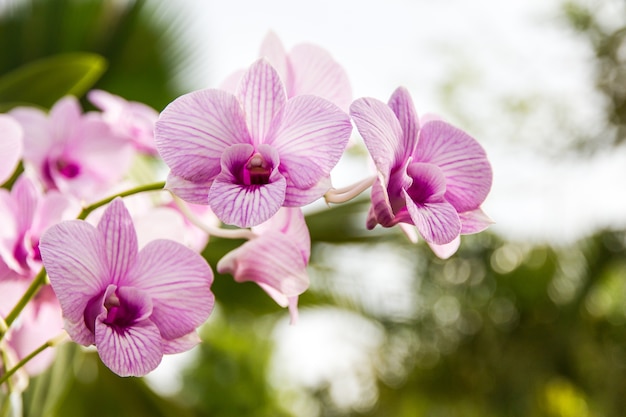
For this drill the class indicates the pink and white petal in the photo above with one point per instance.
(462, 160)
(192, 192)
(78, 332)
(262, 95)
(181, 344)
(107, 102)
(134, 352)
(231, 82)
(310, 139)
(291, 223)
(272, 260)
(194, 130)
(410, 231)
(296, 197)
(474, 221)
(381, 131)
(120, 240)
(26, 197)
(380, 211)
(246, 206)
(436, 221)
(11, 146)
(65, 116)
(404, 109)
(178, 280)
(53, 207)
(315, 72)
(447, 249)
(160, 223)
(74, 255)
(273, 50)
(38, 138)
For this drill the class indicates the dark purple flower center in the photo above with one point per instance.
(67, 168)
(256, 171)
(21, 251)
(120, 314)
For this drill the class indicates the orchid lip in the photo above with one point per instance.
(257, 170)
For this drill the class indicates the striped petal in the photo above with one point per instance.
(11, 146)
(120, 240)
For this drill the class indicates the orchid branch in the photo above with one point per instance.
(148, 187)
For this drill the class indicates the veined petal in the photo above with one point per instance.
(402, 106)
(182, 344)
(37, 138)
(316, 72)
(380, 211)
(74, 255)
(273, 50)
(133, 352)
(243, 205)
(194, 130)
(178, 280)
(297, 197)
(262, 96)
(192, 192)
(447, 249)
(474, 221)
(310, 139)
(120, 239)
(271, 259)
(232, 81)
(26, 197)
(290, 222)
(381, 132)
(462, 160)
(11, 146)
(437, 221)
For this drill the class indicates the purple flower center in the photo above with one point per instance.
(256, 171)
(67, 168)
(120, 313)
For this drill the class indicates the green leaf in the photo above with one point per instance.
(45, 81)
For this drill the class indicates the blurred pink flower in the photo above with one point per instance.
(248, 155)
(130, 119)
(134, 305)
(306, 69)
(75, 153)
(11, 146)
(25, 213)
(276, 259)
(432, 176)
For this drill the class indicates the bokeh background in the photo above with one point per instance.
(528, 319)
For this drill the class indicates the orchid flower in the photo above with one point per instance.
(306, 69)
(129, 119)
(10, 146)
(433, 176)
(134, 305)
(75, 153)
(248, 154)
(276, 259)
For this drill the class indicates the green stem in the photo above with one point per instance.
(30, 293)
(148, 187)
(6, 404)
(50, 343)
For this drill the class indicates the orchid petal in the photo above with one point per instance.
(37, 139)
(26, 197)
(380, 211)
(381, 132)
(246, 205)
(76, 261)
(134, 352)
(402, 106)
(192, 192)
(120, 240)
(462, 160)
(273, 50)
(231, 82)
(291, 223)
(181, 344)
(311, 137)
(262, 96)
(447, 249)
(11, 146)
(474, 221)
(178, 281)
(194, 130)
(296, 197)
(316, 72)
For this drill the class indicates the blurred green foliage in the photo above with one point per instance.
(502, 329)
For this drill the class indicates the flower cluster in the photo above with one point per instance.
(127, 274)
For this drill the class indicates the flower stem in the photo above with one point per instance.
(210, 229)
(148, 187)
(50, 343)
(341, 195)
(30, 293)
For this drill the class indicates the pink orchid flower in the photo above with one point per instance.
(75, 153)
(130, 119)
(25, 213)
(248, 154)
(306, 69)
(134, 305)
(432, 176)
(10, 146)
(276, 259)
